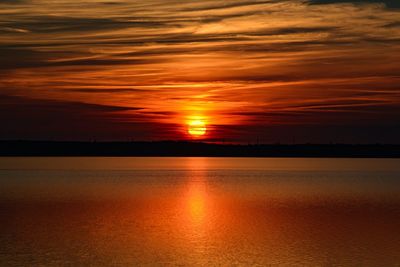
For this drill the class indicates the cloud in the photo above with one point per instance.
(13, 58)
(8, 2)
(44, 105)
(388, 3)
(59, 24)
(393, 24)
(23, 118)
(106, 90)
(277, 62)
(226, 5)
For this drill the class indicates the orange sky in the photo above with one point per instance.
(250, 69)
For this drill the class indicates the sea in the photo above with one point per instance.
(199, 211)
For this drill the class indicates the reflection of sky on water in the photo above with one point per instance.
(202, 212)
(197, 202)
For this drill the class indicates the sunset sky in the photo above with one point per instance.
(273, 70)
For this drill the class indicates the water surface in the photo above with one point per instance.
(199, 212)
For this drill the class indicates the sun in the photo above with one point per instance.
(197, 128)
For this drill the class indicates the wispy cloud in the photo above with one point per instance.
(278, 61)
(387, 3)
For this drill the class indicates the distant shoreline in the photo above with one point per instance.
(194, 149)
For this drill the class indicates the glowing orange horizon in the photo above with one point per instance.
(246, 70)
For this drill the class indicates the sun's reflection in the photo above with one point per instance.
(196, 221)
(197, 164)
(197, 202)
(196, 195)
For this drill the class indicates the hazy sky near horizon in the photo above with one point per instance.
(295, 70)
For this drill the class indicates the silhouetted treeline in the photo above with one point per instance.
(182, 148)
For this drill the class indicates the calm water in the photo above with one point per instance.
(199, 212)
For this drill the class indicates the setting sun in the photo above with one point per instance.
(199, 132)
(197, 128)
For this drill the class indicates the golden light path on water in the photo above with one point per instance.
(196, 200)
(199, 212)
(196, 205)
